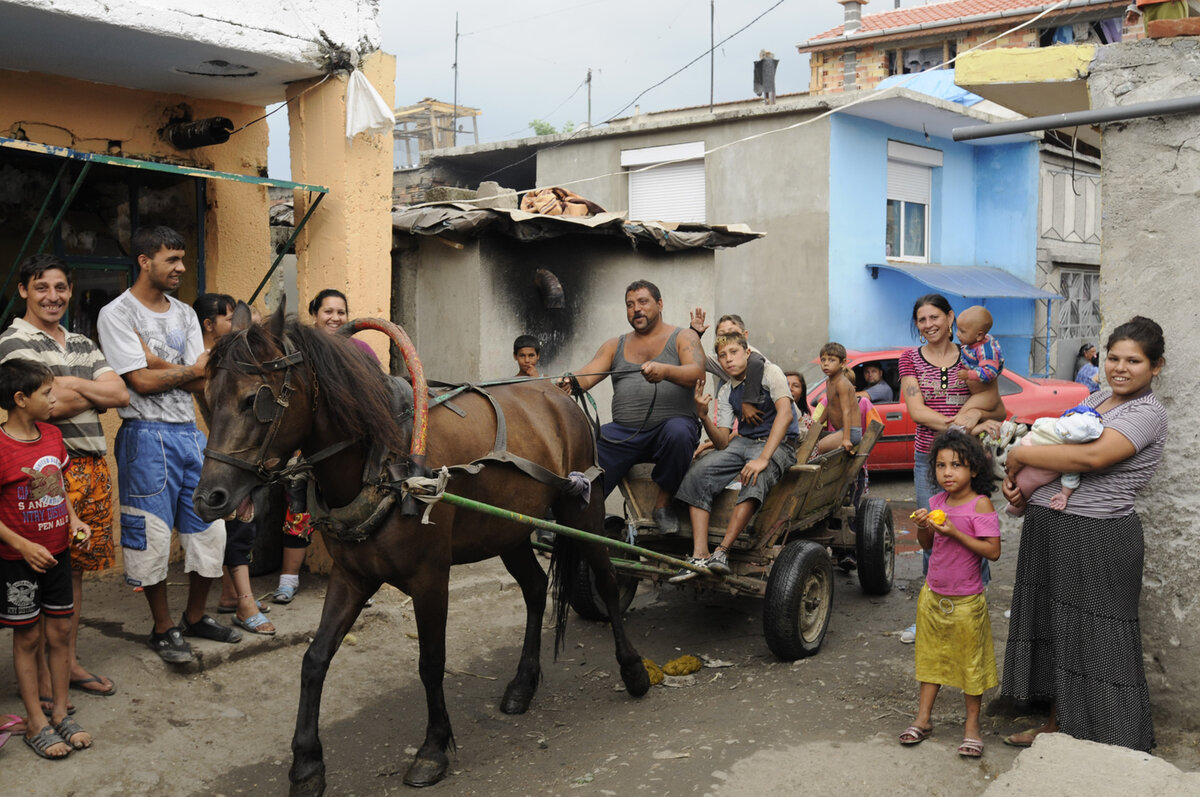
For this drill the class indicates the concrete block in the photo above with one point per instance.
(1168, 28)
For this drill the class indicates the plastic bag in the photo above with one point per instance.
(366, 110)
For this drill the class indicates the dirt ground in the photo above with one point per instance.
(826, 724)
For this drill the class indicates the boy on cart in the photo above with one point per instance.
(756, 457)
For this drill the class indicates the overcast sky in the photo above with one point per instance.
(527, 60)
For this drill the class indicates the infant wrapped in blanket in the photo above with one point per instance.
(1080, 424)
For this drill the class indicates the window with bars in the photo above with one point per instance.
(1079, 312)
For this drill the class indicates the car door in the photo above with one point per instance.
(894, 449)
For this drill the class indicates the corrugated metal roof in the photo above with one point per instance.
(973, 282)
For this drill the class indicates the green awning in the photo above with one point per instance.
(154, 166)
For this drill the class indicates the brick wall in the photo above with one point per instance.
(826, 68)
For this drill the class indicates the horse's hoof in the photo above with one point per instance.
(425, 772)
(312, 786)
(516, 700)
(637, 680)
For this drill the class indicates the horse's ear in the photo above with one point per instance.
(241, 316)
(275, 323)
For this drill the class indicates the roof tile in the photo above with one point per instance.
(934, 12)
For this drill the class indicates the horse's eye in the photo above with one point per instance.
(247, 402)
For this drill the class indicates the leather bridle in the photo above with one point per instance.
(269, 408)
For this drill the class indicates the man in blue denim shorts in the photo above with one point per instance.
(154, 342)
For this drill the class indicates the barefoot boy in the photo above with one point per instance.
(757, 456)
(844, 415)
(36, 524)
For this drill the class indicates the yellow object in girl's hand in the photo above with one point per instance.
(936, 517)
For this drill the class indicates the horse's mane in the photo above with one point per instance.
(349, 382)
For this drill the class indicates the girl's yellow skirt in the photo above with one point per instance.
(954, 642)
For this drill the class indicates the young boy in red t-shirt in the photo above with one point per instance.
(36, 525)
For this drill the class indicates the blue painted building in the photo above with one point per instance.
(955, 213)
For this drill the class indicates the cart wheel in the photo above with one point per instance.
(584, 597)
(875, 546)
(799, 600)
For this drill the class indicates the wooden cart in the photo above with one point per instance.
(785, 556)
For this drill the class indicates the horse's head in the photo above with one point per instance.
(259, 395)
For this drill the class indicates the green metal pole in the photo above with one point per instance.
(487, 509)
(286, 247)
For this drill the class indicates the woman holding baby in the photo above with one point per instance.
(1074, 638)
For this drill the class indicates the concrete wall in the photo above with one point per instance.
(777, 184)
(463, 308)
(1150, 181)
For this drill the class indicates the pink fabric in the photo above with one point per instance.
(953, 569)
(1029, 478)
(367, 348)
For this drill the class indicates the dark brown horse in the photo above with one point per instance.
(283, 386)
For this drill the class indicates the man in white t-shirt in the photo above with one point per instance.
(153, 341)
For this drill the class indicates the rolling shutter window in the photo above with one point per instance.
(674, 192)
(908, 182)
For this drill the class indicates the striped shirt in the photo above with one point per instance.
(82, 433)
(943, 391)
(1109, 493)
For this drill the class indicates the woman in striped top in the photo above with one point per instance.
(1074, 638)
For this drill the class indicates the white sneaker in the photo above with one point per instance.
(909, 635)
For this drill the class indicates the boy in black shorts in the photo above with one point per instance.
(36, 524)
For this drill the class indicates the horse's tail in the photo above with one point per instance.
(565, 566)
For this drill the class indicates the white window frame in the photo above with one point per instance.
(910, 182)
(681, 162)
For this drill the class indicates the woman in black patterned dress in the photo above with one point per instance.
(1074, 638)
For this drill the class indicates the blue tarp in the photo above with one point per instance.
(936, 83)
(976, 282)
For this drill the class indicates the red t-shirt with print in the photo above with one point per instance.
(33, 502)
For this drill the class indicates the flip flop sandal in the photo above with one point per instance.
(284, 593)
(971, 748)
(254, 624)
(68, 729)
(46, 738)
(4, 737)
(48, 705)
(915, 735)
(1032, 733)
(222, 609)
(80, 684)
(11, 723)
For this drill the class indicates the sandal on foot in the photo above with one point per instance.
(68, 729)
(915, 735)
(43, 740)
(971, 748)
(284, 593)
(48, 705)
(223, 609)
(208, 628)
(256, 624)
(101, 690)
(11, 723)
(1015, 740)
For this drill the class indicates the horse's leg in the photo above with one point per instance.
(591, 518)
(523, 566)
(430, 604)
(344, 600)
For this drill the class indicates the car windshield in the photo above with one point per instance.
(814, 377)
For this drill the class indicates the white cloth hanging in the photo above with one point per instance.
(366, 110)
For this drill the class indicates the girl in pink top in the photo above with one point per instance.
(954, 633)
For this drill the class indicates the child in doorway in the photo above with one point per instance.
(954, 634)
(981, 354)
(37, 523)
(1080, 424)
(844, 417)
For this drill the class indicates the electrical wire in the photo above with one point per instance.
(802, 123)
(610, 117)
(281, 105)
(582, 83)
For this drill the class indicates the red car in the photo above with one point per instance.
(1025, 398)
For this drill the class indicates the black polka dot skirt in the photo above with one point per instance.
(1074, 635)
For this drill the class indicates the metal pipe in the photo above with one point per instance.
(286, 247)
(1135, 110)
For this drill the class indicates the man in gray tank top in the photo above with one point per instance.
(654, 370)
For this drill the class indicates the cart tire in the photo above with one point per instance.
(875, 547)
(584, 597)
(799, 600)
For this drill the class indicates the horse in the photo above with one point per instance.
(281, 386)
